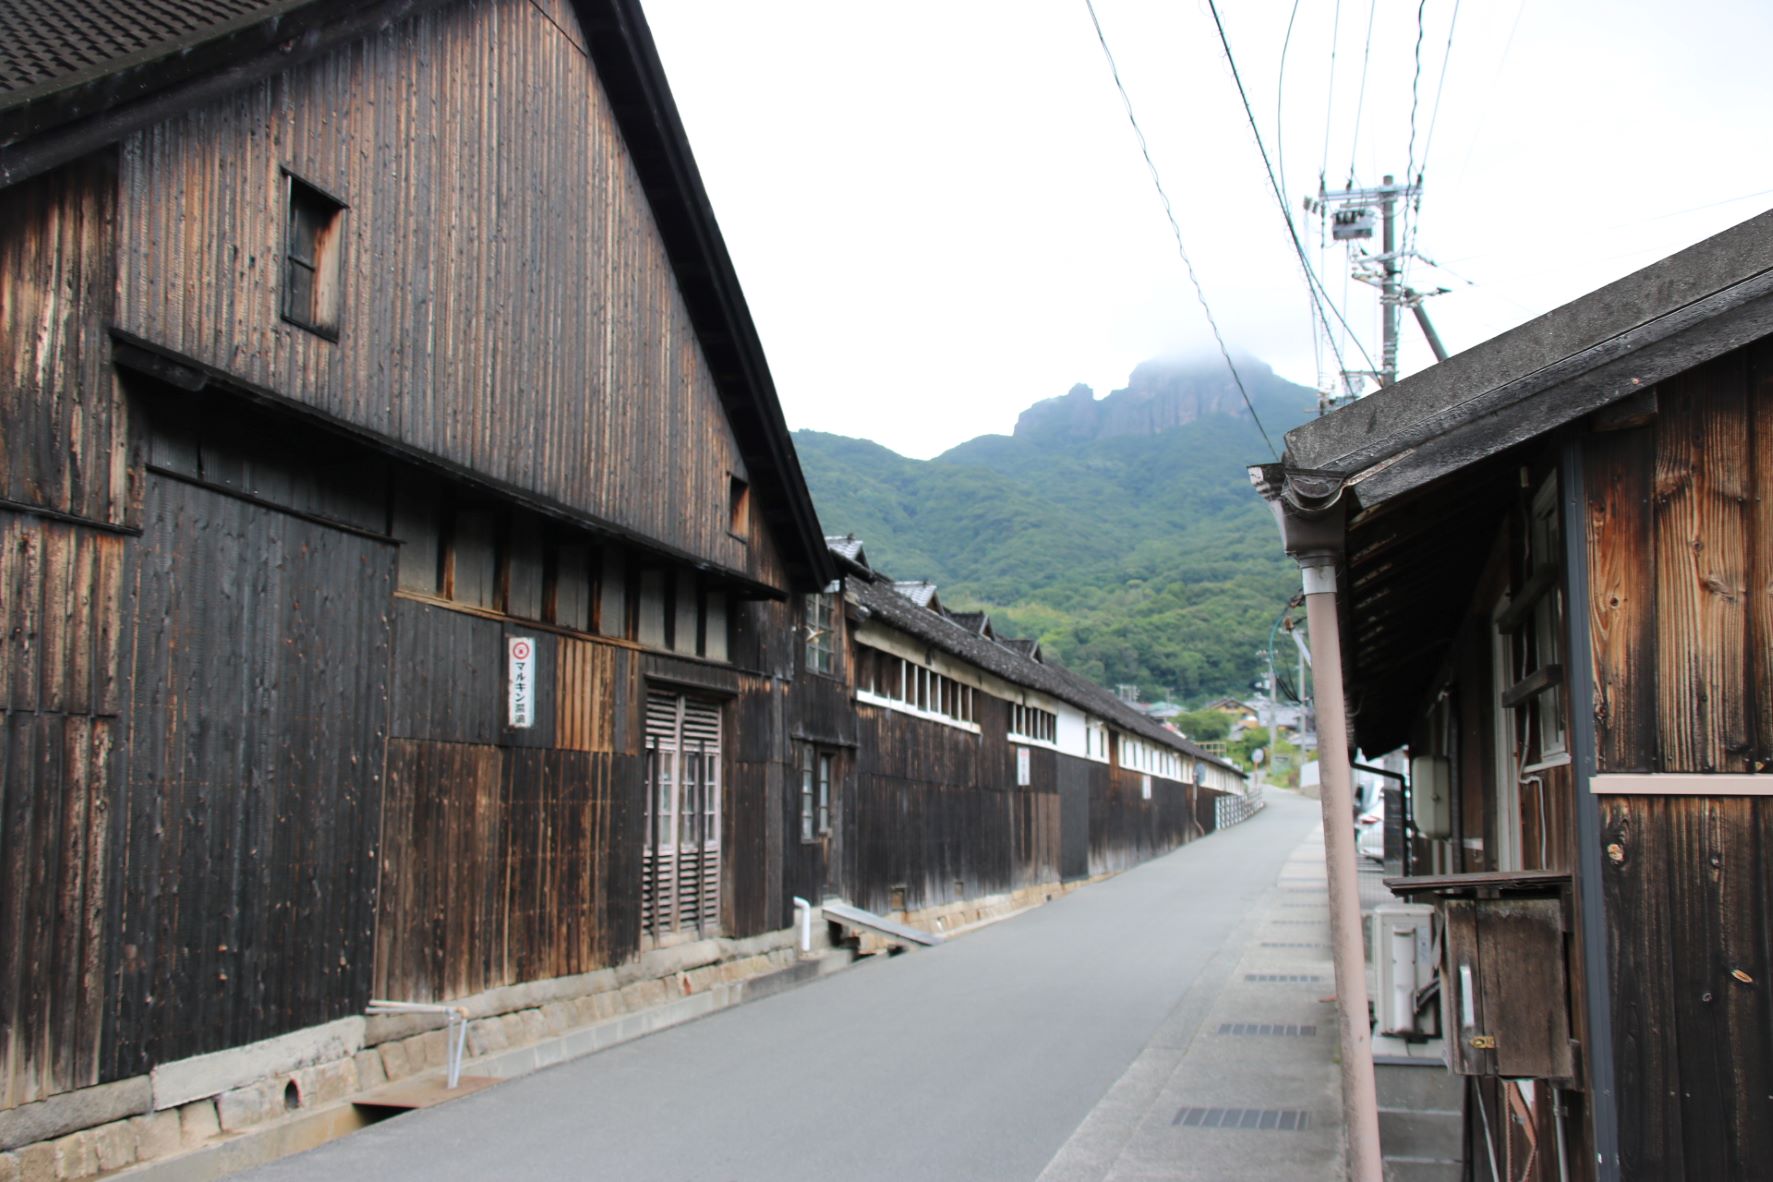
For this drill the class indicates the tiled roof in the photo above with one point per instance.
(918, 591)
(849, 548)
(972, 621)
(879, 598)
(49, 41)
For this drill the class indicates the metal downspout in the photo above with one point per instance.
(1359, 1091)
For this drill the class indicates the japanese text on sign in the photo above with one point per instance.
(520, 678)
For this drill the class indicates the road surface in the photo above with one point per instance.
(973, 1060)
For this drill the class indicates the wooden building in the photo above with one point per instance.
(408, 584)
(1552, 564)
(397, 525)
(969, 766)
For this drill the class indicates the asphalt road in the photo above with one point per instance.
(974, 1060)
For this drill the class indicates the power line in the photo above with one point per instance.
(1311, 280)
(1415, 94)
(1428, 145)
(1176, 228)
(1360, 103)
(1439, 88)
(1330, 95)
(1280, 157)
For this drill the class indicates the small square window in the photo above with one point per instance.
(738, 507)
(313, 271)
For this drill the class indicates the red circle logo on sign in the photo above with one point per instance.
(520, 650)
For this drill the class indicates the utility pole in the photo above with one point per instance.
(1391, 281)
(1352, 213)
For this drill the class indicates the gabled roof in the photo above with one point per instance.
(919, 591)
(848, 549)
(1021, 646)
(977, 622)
(77, 77)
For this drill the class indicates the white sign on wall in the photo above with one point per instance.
(1023, 776)
(520, 680)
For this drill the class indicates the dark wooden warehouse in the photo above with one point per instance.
(1588, 692)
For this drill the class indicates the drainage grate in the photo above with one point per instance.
(1284, 944)
(1269, 1029)
(1288, 1120)
(1298, 978)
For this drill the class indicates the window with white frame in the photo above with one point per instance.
(885, 679)
(1033, 724)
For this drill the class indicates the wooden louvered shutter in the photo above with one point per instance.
(681, 862)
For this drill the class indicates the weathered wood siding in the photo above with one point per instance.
(936, 812)
(62, 428)
(1126, 829)
(59, 704)
(508, 303)
(1680, 616)
(507, 855)
(252, 807)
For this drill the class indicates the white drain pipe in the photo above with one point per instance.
(803, 919)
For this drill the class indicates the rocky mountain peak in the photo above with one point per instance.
(1159, 395)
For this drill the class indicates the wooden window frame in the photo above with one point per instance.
(817, 768)
(738, 507)
(321, 258)
(819, 632)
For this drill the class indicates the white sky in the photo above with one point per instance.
(940, 215)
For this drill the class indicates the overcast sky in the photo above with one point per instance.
(940, 214)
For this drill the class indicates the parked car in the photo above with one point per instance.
(1370, 832)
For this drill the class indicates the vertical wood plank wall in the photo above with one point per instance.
(508, 303)
(507, 856)
(1680, 545)
(59, 746)
(62, 430)
(250, 814)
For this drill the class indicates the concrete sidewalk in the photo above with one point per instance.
(1241, 1080)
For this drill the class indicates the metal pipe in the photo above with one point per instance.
(803, 919)
(1359, 1092)
(1434, 338)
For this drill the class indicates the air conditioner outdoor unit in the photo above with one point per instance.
(1403, 965)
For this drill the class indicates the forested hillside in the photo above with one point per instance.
(1121, 531)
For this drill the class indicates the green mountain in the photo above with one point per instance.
(1121, 531)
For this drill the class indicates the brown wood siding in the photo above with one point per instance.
(1681, 633)
(935, 810)
(1125, 828)
(60, 587)
(256, 732)
(1681, 622)
(755, 834)
(501, 865)
(62, 424)
(508, 303)
(507, 855)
